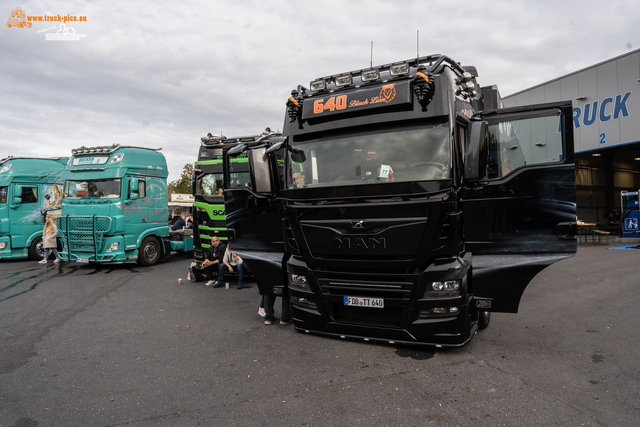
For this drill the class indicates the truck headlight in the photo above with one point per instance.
(3, 246)
(113, 246)
(442, 289)
(298, 281)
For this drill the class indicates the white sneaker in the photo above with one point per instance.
(261, 312)
(209, 283)
(44, 261)
(57, 260)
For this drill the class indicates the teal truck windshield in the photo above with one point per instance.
(210, 184)
(416, 154)
(103, 189)
(3, 195)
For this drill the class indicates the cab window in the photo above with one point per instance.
(240, 175)
(517, 143)
(210, 184)
(29, 195)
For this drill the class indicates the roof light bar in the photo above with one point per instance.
(91, 150)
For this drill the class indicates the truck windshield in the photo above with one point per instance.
(210, 184)
(103, 189)
(3, 195)
(409, 154)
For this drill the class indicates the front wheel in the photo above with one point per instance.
(149, 251)
(36, 250)
(484, 317)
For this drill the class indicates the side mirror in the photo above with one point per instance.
(193, 183)
(17, 191)
(16, 202)
(274, 147)
(133, 187)
(476, 151)
(298, 156)
(237, 150)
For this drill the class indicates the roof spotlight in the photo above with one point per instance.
(318, 85)
(345, 80)
(370, 75)
(399, 69)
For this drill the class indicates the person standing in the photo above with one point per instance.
(50, 240)
(269, 302)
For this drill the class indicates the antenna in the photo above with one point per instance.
(417, 45)
(371, 64)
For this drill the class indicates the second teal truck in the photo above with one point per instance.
(114, 207)
(30, 189)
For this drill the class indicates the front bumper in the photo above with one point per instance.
(407, 317)
(9, 253)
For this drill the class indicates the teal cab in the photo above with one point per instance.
(114, 206)
(30, 189)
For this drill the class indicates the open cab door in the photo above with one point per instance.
(253, 215)
(519, 205)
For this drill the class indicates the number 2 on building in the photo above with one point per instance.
(332, 104)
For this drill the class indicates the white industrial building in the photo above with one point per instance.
(606, 120)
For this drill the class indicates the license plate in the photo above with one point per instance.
(364, 302)
(85, 260)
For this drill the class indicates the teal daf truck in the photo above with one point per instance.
(30, 189)
(115, 207)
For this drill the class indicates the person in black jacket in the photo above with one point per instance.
(212, 264)
(179, 224)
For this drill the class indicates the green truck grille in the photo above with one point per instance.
(83, 233)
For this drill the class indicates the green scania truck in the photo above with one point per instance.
(30, 189)
(115, 207)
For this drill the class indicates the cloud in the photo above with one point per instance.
(163, 75)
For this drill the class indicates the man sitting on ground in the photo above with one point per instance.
(213, 263)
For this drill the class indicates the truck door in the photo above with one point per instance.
(255, 216)
(25, 216)
(519, 218)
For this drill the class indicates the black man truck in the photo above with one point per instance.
(422, 205)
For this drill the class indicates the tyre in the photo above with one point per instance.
(149, 253)
(36, 250)
(484, 317)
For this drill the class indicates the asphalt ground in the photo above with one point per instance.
(127, 346)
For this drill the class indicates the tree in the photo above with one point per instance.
(182, 185)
